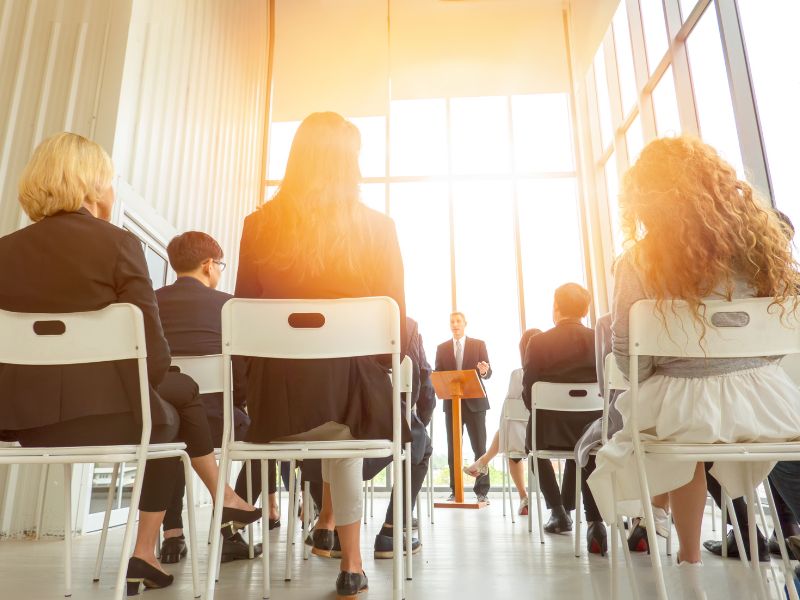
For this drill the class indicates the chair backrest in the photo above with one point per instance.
(760, 330)
(614, 378)
(513, 407)
(311, 329)
(567, 397)
(207, 371)
(113, 333)
(306, 329)
(406, 376)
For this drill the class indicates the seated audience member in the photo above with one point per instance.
(423, 401)
(510, 434)
(695, 232)
(190, 311)
(71, 259)
(564, 354)
(315, 239)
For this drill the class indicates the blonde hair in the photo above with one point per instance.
(692, 227)
(319, 214)
(65, 171)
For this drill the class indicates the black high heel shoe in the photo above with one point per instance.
(139, 572)
(637, 540)
(596, 539)
(234, 519)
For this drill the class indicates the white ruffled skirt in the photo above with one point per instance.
(754, 404)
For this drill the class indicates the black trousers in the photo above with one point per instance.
(160, 476)
(174, 520)
(566, 496)
(419, 469)
(475, 423)
(785, 515)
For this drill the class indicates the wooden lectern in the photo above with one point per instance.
(458, 386)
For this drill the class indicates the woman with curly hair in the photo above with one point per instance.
(695, 232)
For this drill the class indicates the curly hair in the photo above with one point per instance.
(692, 226)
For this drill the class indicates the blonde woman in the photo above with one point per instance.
(695, 232)
(71, 259)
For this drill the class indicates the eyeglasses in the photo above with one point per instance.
(220, 264)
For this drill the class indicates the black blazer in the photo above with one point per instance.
(474, 352)
(287, 397)
(73, 262)
(563, 354)
(191, 314)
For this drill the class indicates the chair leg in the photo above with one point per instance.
(190, 507)
(578, 473)
(538, 498)
(655, 556)
(507, 488)
(788, 572)
(40, 497)
(68, 530)
(713, 518)
(366, 487)
(612, 558)
(737, 532)
(397, 545)
(626, 552)
(112, 487)
(127, 540)
(265, 532)
(752, 528)
(503, 486)
(307, 510)
(419, 519)
(530, 494)
(290, 530)
(669, 535)
(723, 519)
(216, 526)
(407, 513)
(248, 465)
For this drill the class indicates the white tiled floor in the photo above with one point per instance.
(469, 555)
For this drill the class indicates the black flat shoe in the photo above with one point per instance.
(349, 585)
(235, 548)
(173, 550)
(384, 546)
(596, 538)
(321, 542)
(234, 519)
(139, 572)
(715, 547)
(274, 524)
(559, 521)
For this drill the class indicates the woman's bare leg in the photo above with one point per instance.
(207, 469)
(147, 536)
(517, 470)
(688, 503)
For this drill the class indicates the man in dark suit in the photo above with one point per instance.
(456, 354)
(190, 311)
(564, 354)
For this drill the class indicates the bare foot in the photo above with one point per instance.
(232, 500)
(151, 560)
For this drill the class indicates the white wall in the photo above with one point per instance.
(174, 90)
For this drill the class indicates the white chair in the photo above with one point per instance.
(515, 414)
(564, 397)
(111, 334)
(674, 332)
(350, 327)
(429, 477)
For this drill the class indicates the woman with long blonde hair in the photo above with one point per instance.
(695, 232)
(315, 239)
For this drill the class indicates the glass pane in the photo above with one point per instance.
(101, 480)
(479, 135)
(665, 105)
(486, 278)
(280, 141)
(634, 137)
(770, 34)
(157, 267)
(372, 159)
(612, 191)
(542, 133)
(603, 103)
(548, 219)
(374, 196)
(418, 137)
(625, 69)
(655, 31)
(422, 216)
(711, 91)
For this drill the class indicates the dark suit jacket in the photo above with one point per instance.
(73, 262)
(191, 314)
(474, 352)
(287, 397)
(563, 354)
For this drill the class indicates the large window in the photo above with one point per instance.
(483, 193)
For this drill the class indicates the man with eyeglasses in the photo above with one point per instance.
(190, 311)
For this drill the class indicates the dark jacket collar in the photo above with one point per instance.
(188, 280)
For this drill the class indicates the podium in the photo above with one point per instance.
(458, 386)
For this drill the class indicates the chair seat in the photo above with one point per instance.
(75, 454)
(315, 449)
(724, 452)
(568, 454)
